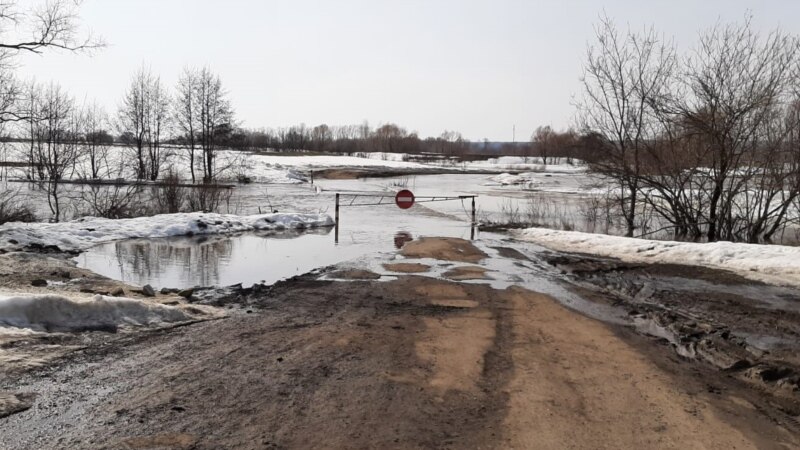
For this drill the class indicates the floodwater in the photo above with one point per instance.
(269, 257)
(556, 201)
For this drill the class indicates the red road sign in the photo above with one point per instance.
(404, 199)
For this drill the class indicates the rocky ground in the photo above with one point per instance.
(353, 358)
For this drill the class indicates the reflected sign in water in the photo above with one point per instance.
(250, 258)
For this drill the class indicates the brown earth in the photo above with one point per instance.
(407, 267)
(466, 273)
(449, 249)
(404, 364)
(355, 274)
(410, 363)
(20, 271)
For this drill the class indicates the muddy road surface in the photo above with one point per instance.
(402, 361)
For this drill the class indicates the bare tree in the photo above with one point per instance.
(624, 74)
(113, 202)
(97, 140)
(186, 112)
(55, 121)
(388, 137)
(734, 82)
(158, 123)
(215, 118)
(709, 142)
(53, 24)
(143, 117)
(321, 137)
(543, 140)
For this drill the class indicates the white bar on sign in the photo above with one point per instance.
(405, 199)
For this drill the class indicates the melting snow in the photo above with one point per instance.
(768, 263)
(85, 232)
(58, 313)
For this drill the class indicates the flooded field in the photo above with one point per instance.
(253, 258)
(268, 257)
(554, 200)
(249, 258)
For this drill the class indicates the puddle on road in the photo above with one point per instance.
(223, 260)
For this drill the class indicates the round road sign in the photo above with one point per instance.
(404, 199)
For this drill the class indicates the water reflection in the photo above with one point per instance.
(401, 238)
(269, 256)
(198, 259)
(209, 260)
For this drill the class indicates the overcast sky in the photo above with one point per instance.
(478, 67)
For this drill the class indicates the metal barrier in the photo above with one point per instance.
(354, 201)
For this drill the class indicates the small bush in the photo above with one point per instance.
(112, 202)
(209, 197)
(170, 196)
(13, 210)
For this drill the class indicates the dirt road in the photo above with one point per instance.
(415, 362)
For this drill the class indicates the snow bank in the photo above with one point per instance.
(276, 161)
(264, 174)
(533, 164)
(768, 263)
(507, 179)
(57, 313)
(86, 232)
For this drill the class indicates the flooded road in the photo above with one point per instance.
(249, 258)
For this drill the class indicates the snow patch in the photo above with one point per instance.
(532, 164)
(86, 232)
(507, 179)
(774, 264)
(58, 313)
(277, 161)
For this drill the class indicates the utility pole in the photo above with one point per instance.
(514, 134)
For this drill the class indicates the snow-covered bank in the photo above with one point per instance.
(86, 232)
(278, 161)
(507, 179)
(774, 264)
(530, 164)
(58, 313)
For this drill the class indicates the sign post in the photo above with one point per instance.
(336, 237)
(404, 199)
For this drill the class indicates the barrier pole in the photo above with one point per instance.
(472, 227)
(336, 232)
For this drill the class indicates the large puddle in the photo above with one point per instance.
(210, 260)
(255, 258)
(249, 258)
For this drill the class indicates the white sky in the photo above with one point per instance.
(478, 67)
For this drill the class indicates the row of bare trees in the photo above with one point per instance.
(49, 115)
(67, 140)
(361, 138)
(203, 114)
(197, 114)
(708, 139)
(547, 144)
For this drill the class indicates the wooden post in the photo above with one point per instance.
(336, 232)
(473, 210)
(474, 224)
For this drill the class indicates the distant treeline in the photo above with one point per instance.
(392, 138)
(389, 138)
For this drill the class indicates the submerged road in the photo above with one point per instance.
(456, 349)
